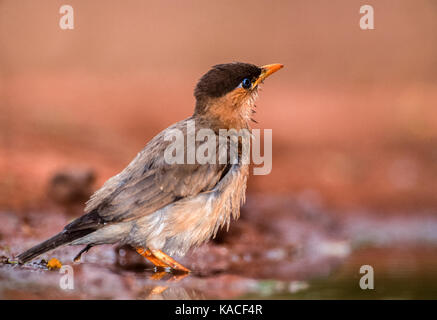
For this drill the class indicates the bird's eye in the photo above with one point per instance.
(246, 83)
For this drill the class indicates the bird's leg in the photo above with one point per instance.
(169, 261)
(77, 257)
(149, 256)
(160, 259)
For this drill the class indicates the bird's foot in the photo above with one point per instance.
(169, 261)
(149, 256)
(162, 260)
(79, 255)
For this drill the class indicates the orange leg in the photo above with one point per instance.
(149, 256)
(169, 261)
(158, 261)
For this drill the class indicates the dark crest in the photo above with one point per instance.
(224, 78)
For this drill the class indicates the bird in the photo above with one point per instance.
(163, 209)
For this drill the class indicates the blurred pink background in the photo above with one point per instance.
(353, 112)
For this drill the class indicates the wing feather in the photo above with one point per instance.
(148, 183)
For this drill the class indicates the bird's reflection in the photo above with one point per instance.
(167, 288)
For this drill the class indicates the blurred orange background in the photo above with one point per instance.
(353, 112)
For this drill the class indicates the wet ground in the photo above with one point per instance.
(354, 154)
(296, 253)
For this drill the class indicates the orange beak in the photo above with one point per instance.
(267, 70)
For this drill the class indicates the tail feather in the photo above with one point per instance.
(79, 228)
(60, 239)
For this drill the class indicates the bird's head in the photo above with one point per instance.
(226, 94)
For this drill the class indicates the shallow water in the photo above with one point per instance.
(396, 276)
(300, 254)
(399, 273)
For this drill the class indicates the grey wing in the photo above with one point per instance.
(148, 184)
(156, 189)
